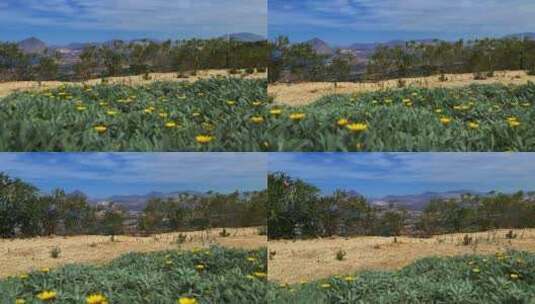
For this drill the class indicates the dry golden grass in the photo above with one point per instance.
(7, 88)
(304, 93)
(22, 255)
(316, 259)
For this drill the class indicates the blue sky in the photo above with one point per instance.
(103, 174)
(64, 21)
(344, 22)
(379, 174)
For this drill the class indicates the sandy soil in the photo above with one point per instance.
(7, 88)
(316, 259)
(22, 255)
(305, 93)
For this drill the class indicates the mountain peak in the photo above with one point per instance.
(32, 45)
(319, 46)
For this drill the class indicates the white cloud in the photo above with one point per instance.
(463, 16)
(175, 17)
(213, 170)
(491, 170)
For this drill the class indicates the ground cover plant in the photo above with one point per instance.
(226, 114)
(214, 275)
(474, 118)
(503, 278)
(215, 114)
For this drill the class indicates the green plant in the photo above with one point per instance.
(227, 276)
(224, 233)
(467, 279)
(55, 252)
(340, 254)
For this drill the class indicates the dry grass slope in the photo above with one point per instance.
(7, 88)
(305, 93)
(23, 255)
(308, 260)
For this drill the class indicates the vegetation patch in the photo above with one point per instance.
(215, 114)
(473, 118)
(214, 275)
(503, 278)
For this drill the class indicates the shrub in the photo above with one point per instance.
(55, 252)
(224, 233)
(340, 255)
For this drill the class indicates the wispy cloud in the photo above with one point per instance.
(433, 17)
(177, 18)
(118, 173)
(387, 173)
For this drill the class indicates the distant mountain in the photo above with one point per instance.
(528, 35)
(244, 37)
(138, 202)
(320, 46)
(32, 45)
(419, 201)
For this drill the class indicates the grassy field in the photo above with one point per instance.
(472, 279)
(19, 256)
(212, 114)
(474, 118)
(233, 114)
(7, 88)
(299, 94)
(314, 259)
(214, 275)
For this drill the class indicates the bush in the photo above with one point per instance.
(55, 252)
(340, 255)
(224, 233)
(249, 71)
(261, 70)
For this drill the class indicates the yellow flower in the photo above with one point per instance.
(231, 102)
(185, 300)
(388, 101)
(103, 104)
(96, 299)
(100, 129)
(81, 108)
(199, 267)
(251, 259)
(342, 122)
(438, 111)
(325, 285)
(112, 113)
(250, 277)
(257, 119)
(47, 295)
(204, 139)
(357, 127)
(513, 122)
(23, 276)
(168, 262)
(260, 274)
(257, 103)
(45, 270)
(297, 116)
(20, 301)
(349, 279)
(275, 112)
(476, 270)
(196, 114)
(473, 125)
(514, 276)
(445, 120)
(170, 124)
(163, 114)
(149, 110)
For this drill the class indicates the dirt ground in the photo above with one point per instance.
(309, 260)
(304, 93)
(7, 88)
(23, 255)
